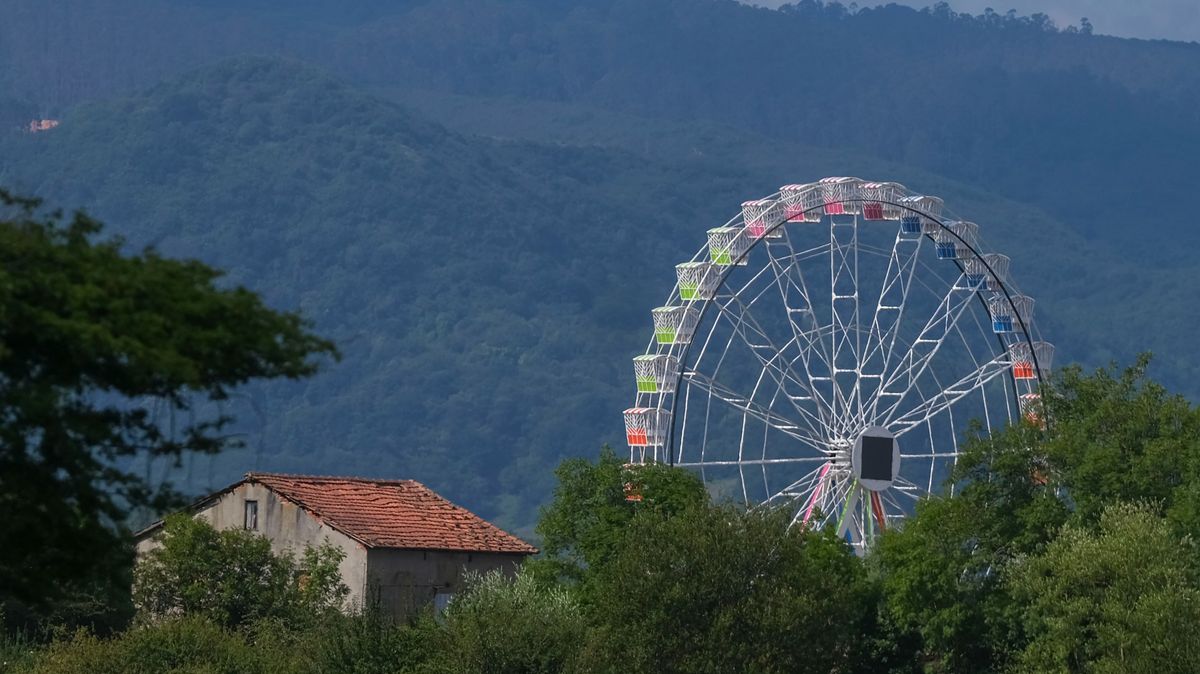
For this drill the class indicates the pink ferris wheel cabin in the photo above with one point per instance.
(879, 200)
(761, 216)
(837, 194)
(801, 203)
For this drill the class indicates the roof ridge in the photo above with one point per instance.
(328, 478)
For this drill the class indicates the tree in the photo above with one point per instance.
(505, 625)
(586, 521)
(232, 577)
(86, 332)
(940, 572)
(1119, 436)
(1123, 599)
(1111, 438)
(715, 589)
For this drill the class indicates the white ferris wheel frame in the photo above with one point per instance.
(850, 376)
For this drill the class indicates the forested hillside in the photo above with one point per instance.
(487, 295)
(486, 252)
(480, 291)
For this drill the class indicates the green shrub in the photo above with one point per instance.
(501, 625)
(190, 645)
(370, 643)
(1121, 599)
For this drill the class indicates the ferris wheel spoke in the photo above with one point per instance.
(846, 521)
(791, 284)
(753, 462)
(933, 405)
(834, 494)
(752, 409)
(819, 484)
(773, 360)
(889, 310)
(896, 510)
(904, 375)
(803, 487)
(845, 338)
(907, 488)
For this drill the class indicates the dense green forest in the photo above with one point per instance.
(485, 253)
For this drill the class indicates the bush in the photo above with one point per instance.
(188, 644)
(371, 642)
(1125, 598)
(501, 625)
(233, 578)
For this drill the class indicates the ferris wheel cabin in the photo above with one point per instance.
(646, 426)
(957, 241)
(1007, 316)
(879, 200)
(839, 194)
(801, 203)
(728, 245)
(760, 217)
(988, 272)
(919, 213)
(1023, 359)
(674, 325)
(697, 280)
(655, 373)
(1032, 409)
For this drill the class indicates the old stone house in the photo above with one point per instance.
(405, 545)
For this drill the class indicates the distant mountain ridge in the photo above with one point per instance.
(1090, 128)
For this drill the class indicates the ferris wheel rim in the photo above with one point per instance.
(729, 269)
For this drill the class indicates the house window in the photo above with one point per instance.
(250, 521)
(441, 600)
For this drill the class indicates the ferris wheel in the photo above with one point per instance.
(829, 350)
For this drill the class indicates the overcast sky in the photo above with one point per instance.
(1170, 19)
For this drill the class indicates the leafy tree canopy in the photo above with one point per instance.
(715, 589)
(88, 335)
(1121, 598)
(1112, 438)
(594, 503)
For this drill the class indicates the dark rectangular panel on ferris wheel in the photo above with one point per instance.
(876, 458)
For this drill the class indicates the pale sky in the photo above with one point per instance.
(1169, 19)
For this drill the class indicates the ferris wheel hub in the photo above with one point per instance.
(875, 458)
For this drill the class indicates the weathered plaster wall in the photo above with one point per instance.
(405, 580)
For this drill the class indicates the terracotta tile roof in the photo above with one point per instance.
(392, 513)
